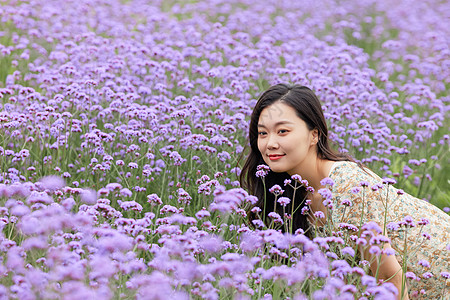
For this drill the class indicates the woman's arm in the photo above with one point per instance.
(389, 270)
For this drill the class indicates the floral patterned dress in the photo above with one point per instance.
(385, 205)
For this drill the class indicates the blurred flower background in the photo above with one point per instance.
(123, 128)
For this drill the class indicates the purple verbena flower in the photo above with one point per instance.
(283, 201)
(153, 199)
(276, 190)
(327, 181)
(408, 222)
(262, 171)
(348, 251)
(52, 183)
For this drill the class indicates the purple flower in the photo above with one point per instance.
(260, 174)
(15, 261)
(88, 196)
(368, 281)
(284, 201)
(256, 210)
(103, 192)
(296, 177)
(310, 189)
(319, 214)
(203, 213)
(132, 165)
(20, 210)
(423, 263)
(250, 242)
(347, 226)
(131, 205)
(113, 186)
(274, 215)
(212, 244)
(101, 267)
(262, 171)
(348, 288)
(372, 226)
(327, 181)
(407, 171)
(258, 223)
(376, 187)
(176, 158)
(388, 251)
(426, 235)
(408, 222)
(112, 241)
(364, 183)
(126, 192)
(52, 183)
(325, 193)
(348, 251)
(228, 200)
(410, 275)
(355, 190)
(346, 202)
(393, 226)
(276, 190)
(39, 197)
(183, 196)
(168, 209)
(387, 180)
(375, 250)
(423, 222)
(251, 199)
(153, 199)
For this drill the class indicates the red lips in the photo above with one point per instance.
(276, 156)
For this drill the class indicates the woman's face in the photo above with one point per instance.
(284, 140)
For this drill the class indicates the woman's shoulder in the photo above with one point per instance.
(345, 167)
(348, 171)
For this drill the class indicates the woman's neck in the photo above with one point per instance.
(316, 170)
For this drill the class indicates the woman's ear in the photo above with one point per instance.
(315, 136)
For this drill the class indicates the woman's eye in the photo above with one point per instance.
(282, 131)
(261, 133)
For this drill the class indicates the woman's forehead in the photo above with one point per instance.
(278, 112)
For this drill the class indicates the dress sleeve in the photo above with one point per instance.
(359, 196)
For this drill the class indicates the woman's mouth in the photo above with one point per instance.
(275, 156)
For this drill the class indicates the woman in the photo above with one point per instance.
(288, 133)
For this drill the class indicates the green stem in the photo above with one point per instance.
(292, 208)
(405, 258)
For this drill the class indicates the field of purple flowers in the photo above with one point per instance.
(123, 125)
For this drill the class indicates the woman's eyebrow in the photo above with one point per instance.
(277, 123)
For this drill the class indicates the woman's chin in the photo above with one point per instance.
(277, 169)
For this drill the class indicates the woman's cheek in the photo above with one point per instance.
(260, 146)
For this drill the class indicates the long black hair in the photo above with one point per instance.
(308, 108)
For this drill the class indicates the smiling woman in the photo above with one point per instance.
(287, 130)
(288, 133)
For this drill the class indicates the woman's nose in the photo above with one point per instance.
(272, 142)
